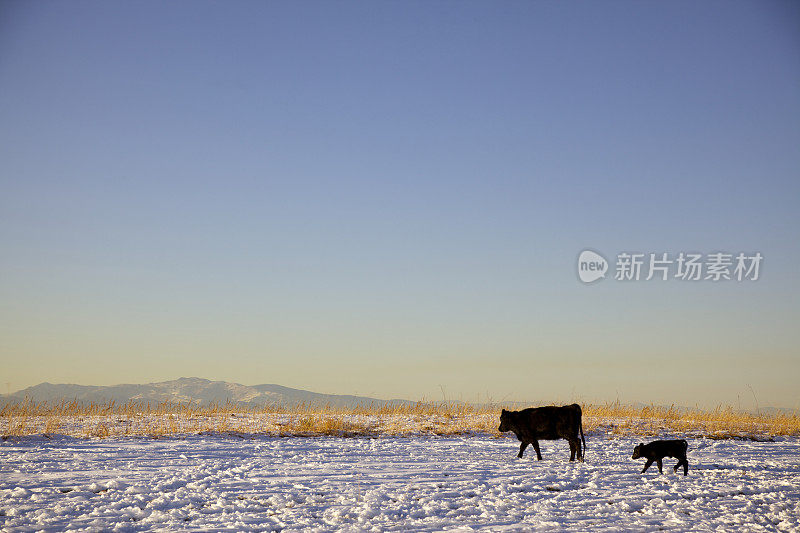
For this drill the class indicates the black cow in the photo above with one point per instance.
(546, 423)
(658, 449)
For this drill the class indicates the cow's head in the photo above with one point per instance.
(637, 452)
(505, 421)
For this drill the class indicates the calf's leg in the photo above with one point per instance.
(647, 465)
(658, 462)
(685, 464)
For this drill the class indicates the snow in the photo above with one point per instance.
(421, 483)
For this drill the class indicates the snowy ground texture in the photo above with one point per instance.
(421, 483)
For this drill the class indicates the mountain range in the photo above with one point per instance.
(196, 391)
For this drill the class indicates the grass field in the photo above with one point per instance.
(169, 419)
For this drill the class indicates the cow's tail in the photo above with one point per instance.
(583, 440)
(580, 426)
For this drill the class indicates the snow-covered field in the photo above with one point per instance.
(422, 483)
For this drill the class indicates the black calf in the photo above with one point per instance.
(658, 449)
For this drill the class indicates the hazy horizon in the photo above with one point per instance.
(389, 199)
(751, 404)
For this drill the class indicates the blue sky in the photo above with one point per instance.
(388, 198)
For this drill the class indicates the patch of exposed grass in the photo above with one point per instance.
(173, 419)
(721, 422)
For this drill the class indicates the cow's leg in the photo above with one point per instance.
(572, 450)
(538, 452)
(522, 446)
(578, 451)
(658, 462)
(647, 465)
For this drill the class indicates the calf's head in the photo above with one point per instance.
(637, 452)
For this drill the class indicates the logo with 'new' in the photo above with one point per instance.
(591, 266)
(663, 266)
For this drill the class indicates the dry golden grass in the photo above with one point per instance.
(721, 422)
(171, 419)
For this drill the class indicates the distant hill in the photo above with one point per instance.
(200, 391)
(190, 390)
